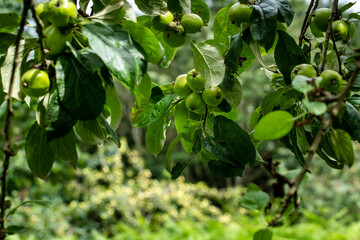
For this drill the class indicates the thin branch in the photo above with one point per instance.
(305, 22)
(9, 113)
(337, 53)
(328, 33)
(39, 31)
(297, 181)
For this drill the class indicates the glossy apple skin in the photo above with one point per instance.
(239, 13)
(61, 11)
(340, 30)
(162, 22)
(195, 81)
(35, 83)
(192, 23)
(321, 18)
(304, 69)
(181, 87)
(195, 103)
(331, 81)
(55, 40)
(213, 96)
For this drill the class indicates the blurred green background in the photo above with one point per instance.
(127, 194)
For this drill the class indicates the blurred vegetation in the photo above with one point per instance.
(126, 194)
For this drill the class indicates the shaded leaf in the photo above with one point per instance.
(255, 200)
(65, 148)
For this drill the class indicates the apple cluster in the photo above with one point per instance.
(330, 80)
(191, 87)
(341, 30)
(174, 30)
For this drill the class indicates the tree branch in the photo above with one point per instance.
(9, 113)
(306, 21)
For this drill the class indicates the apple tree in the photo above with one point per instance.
(70, 72)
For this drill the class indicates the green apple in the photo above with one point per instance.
(35, 83)
(195, 81)
(162, 22)
(195, 103)
(321, 18)
(55, 39)
(213, 96)
(174, 39)
(352, 29)
(192, 23)
(181, 87)
(304, 69)
(331, 81)
(61, 11)
(239, 13)
(340, 30)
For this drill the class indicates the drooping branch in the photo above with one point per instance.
(9, 113)
(312, 7)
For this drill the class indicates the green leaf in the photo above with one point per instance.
(316, 108)
(346, 6)
(354, 15)
(147, 40)
(80, 92)
(255, 116)
(6, 39)
(220, 152)
(169, 52)
(274, 125)
(209, 62)
(179, 6)
(255, 200)
(156, 135)
(143, 91)
(109, 130)
(200, 8)
(232, 58)
(6, 68)
(9, 22)
(86, 129)
(224, 170)
(57, 121)
(342, 146)
(285, 12)
(113, 44)
(152, 7)
(229, 134)
(65, 148)
(355, 101)
(263, 234)
(263, 23)
(169, 152)
(148, 114)
(287, 55)
(181, 116)
(283, 98)
(178, 169)
(351, 120)
(16, 229)
(223, 27)
(113, 12)
(112, 100)
(302, 84)
(39, 156)
(88, 59)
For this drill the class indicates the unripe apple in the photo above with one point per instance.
(321, 18)
(304, 69)
(35, 83)
(239, 13)
(55, 39)
(340, 30)
(195, 81)
(213, 96)
(195, 103)
(331, 81)
(192, 23)
(162, 22)
(174, 39)
(61, 11)
(181, 87)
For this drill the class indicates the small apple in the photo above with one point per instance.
(35, 83)
(174, 39)
(195, 103)
(239, 13)
(213, 96)
(55, 39)
(331, 81)
(304, 69)
(181, 87)
(192, 23)
(340, 30)
(162, 22)
(352, 29)
(61, 11)
(195, 81)
(321, 18)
